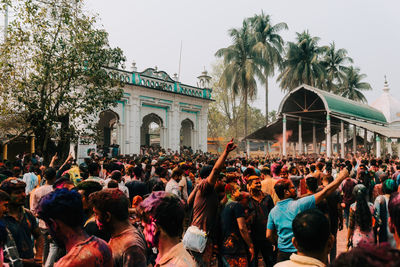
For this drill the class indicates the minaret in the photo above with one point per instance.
(204, 80)
(386, 86)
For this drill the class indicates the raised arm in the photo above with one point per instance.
(212, 178)
(330, 188)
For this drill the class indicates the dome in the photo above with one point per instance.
(388, 105)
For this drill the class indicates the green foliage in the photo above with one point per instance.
(303, 63)
(352, 85)
(226, 114)
(268, 47)
(52, 70)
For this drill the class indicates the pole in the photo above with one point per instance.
(342, 139)
(300, 138)
(378, 146)
(328, 136)
(314, 138)
(354, 138)
(284, 136)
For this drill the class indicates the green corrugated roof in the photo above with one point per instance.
(345, 106)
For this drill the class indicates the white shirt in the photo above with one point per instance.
(298, 261)
(173, 187)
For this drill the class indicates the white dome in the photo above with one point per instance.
(388, 105)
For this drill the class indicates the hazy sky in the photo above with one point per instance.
(150, 32)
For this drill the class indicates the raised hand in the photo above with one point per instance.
(230, 146)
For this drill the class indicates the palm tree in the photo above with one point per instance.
(268, 47)
(352, 86)
(302, 64)
(240, 68)
(334, 62)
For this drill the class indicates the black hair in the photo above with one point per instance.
(280, 187)
(362, 215)
(166, 209)
(64, 205)
(311, 230)
(4, 196)
(111, 200)
(93, 168)
(89, 187)
(312, 184)
(50, 174)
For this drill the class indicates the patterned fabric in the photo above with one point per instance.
(10, 252)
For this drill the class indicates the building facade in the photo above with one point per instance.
(153, 97)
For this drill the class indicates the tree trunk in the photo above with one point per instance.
(65, 137)
(245, 114)
(266, 101)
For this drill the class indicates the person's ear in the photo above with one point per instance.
(330, 243)
(392, 228)
(108, 217)
(295, 244)
(53, 225)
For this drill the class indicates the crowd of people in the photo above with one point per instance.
(193, 209)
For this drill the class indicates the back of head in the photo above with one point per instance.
(166, 210)
(368, 255)
(111, 200)
(205, 171)
(389, 186)
(50, 174)
(63, 205)
(363, 217)
(280, 186)
(11, 184)
(312, 184)
(116, 175)
(93, 169)
(89, 187)
(311, 231)
(394, 210)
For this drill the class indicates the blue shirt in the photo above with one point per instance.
(281, 217)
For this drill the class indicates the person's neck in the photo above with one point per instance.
(50, 182)
(165, 243)
(14, 209)
(257, 194)
(119, 226)
(319, 256)
(74, 237)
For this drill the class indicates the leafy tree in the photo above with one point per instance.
(335, 62)
(240, 67)
(302, 64)
(268, 47)
(352, 85)
(52, 71)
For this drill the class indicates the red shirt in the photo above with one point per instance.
(93, 252)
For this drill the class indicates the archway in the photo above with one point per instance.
(151, 131)
(108, 130)
(186, 138)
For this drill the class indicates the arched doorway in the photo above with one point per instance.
(151, 131)
(186, 134)
(108, 130)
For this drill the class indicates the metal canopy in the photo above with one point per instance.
(382, 130)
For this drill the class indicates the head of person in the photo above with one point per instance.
(312, 184)
(265, 171)
(177, 174)
(394, 216)
(50, 174)
(254, 184)
(249, 171)
(276, 169)
(4, 199)
(85, 188)
(116, 176)
(232, 191)
(284, 189)
(62, 211)
(362, 215)
(389, 186)
(162, 216)
(94, 169)
(368, 255)
(319, 166)
(205, 171)
(110, 205)
(311, 233)
(16, 189)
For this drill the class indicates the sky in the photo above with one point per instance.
(150, 33)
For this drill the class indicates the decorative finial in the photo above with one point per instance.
(386, 86)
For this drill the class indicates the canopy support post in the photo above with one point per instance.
(378, 146)
(342, 139)
(284, 136)
(314, 138)
(354, 139)
(300, 138)
(328, 136)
